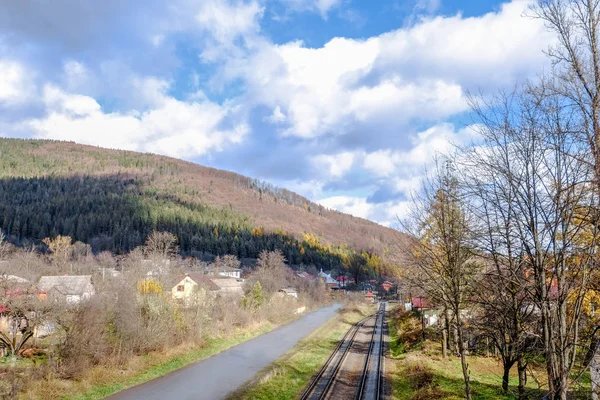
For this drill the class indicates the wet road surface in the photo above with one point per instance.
(221, 374)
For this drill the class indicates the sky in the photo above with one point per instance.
(344, 101)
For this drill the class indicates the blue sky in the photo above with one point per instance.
(343, 101)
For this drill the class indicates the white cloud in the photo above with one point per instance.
(418, 73)
(175, 128)
(356, 206)
(336, 165)
(15, 83)
(225, 22)
(385, 213)
(324, 6)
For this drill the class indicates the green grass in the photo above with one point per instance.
(419, 372)
(289, 375)
(155, 370)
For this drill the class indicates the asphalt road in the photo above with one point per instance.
(221, 374)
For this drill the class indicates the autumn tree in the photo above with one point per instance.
(442, 259)
(61, 248)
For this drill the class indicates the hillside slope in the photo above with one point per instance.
(113, 198)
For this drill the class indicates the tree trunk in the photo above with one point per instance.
(444, 343)
(595, 374)
(506, 366)
(447, 328)
(457, 340)
(463, 357)
(522, 368)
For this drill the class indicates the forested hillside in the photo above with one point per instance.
(113, 199)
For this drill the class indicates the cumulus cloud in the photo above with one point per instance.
(417, 74)
(336, 165)
(174, 128)
(15, 83)
(385, 213)
(227, 21)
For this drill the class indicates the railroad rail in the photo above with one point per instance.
(370, 383)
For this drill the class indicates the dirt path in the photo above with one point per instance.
(221, 374)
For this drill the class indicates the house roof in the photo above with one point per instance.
(223, 283)
(369, 294)
(14, 278)
(420, 302)
(305, 275)
(67, 284)
(328, 279)
(201, 280)
(288, 290)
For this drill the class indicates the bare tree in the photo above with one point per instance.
(543, 196)
(161, 245)
(442, 258)
(24, 313)
(577, 60)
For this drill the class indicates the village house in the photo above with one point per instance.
(305, 275)
(229, 286)
(370, 297)
(225, 271)
(422, 305)
(14, 279)
(71, 288)
(187, 287)
(290, 292)
(344, 280)
(329, 281)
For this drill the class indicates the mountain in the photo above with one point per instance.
(112, 199)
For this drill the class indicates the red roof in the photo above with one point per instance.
(420, 302)
(369, 294)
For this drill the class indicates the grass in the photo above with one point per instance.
(289, 375)
(103, 381)
(418, 371)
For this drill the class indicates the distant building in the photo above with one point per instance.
(387, 286)
(225, 271)
(186, 288)
(306, 275)
(229, 286)
(13, 279)
(329, 281)
(370, 297)
(290, 292)
(427, 311)
(72, 288)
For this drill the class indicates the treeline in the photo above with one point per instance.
(117, 214)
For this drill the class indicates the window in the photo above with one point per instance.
(180, 288)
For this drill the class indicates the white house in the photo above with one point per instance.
(290, 292)
(225, 271)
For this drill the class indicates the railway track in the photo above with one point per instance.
(355, 368)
